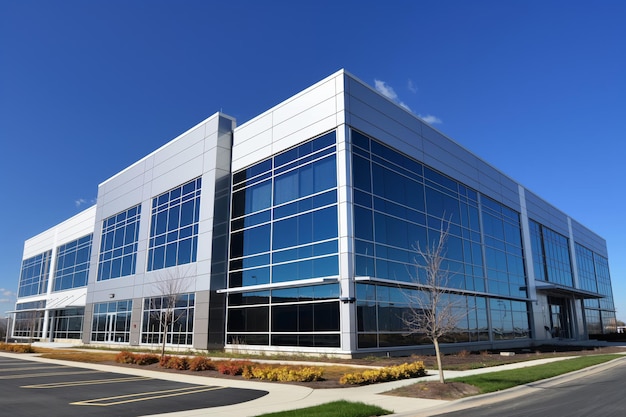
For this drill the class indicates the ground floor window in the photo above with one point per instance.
(29, 320)
(68, 323)
(171, 317)
(306, 316)
(111, 322)
(381, 311)
(29, 324)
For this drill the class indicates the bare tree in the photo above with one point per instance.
(170, 285)
(433, 310)
(4, 329)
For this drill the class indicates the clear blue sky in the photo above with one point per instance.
(536, 88)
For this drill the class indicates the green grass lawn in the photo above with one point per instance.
(334, 409)
(496, 381)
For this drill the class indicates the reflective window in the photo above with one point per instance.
(551, 256)
(34, 275)
(284, 227)
(510, 319)
(72, 264)
(174, 226)
(29, 319)
(400, 205)
(593, 275)
(604, 287)
(506, 273)
(586, 269)
(118, 244)
(68, 323)
(111, 322)
(381, 310)
(177, 313)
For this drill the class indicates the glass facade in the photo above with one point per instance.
(34, 275)
(29, 319)
(607, 307)
(593, 276)
(284, 228)
(174, 226)
(118, 245)
(551, 257)
(180, 327)
(72, 264)
(111, 322)
(399, 206)
(68, 323)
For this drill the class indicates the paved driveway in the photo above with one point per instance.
(32, 388)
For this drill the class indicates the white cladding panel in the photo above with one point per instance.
(305, 115)
(71, 229)
(203, 151)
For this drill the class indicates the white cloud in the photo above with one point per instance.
(82, 201)
(385, 89)
(405, 106)
(8, 296)
(411, 86)
(430, 119)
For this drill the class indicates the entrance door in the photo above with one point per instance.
(559, 318)
(109, 335)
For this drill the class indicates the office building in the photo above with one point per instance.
(296, 232)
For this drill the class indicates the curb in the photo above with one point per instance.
(509, 393)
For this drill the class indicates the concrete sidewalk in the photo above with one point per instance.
(283, 397)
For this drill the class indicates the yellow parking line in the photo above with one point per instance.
(47, 374)
(87, 382)
(145, 396)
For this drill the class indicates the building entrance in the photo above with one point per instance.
(560, 323)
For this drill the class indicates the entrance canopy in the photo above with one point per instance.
(551, 288)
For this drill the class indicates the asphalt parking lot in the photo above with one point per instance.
(32, 389)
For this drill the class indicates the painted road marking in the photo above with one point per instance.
(88, 382)
(146, 396)
(30, 368)
(47, 374)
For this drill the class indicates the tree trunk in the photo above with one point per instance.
(439, 366)
(164, 339)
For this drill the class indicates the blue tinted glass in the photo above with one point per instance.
(439, 179)
(398, 188)
(255, 276)
(285, 255)
(365, 266)
(360, 140)
(324, 223)
(363, 224)
(361, 173)
(362, 198)
(325, 248)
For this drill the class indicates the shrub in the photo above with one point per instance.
(146, 359)
(16, 348)
(179, 363)
(283, 373)
(125, 357)
(201, 363)
(232, 367)
(463, 353)
(164, 360)
(392, 373)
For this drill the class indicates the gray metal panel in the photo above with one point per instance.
(546, 214)
(589, 239)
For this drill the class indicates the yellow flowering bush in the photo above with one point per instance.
(391, 373)
(283, 373)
